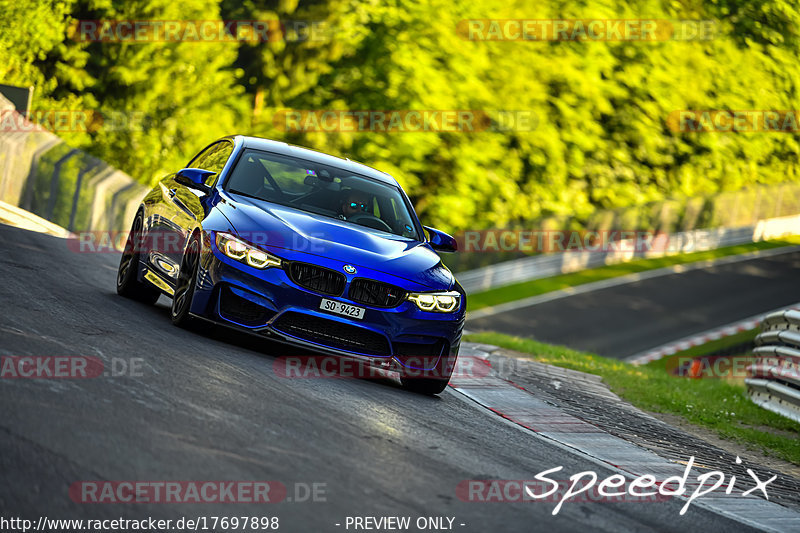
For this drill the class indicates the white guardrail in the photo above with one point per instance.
(774, 378)
(552, 264)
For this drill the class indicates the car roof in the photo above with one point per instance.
(279, 147)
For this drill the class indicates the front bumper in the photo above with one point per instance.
(267, 302)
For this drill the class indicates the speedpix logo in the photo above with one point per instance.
(589, 487)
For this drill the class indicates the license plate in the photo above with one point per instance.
(332, 306)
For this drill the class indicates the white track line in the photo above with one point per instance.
(698, 339)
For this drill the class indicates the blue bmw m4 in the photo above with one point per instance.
(302, 248)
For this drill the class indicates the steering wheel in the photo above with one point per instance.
(370, 221)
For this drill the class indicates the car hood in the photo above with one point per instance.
(283, 229)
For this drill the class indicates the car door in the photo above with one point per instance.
(183, 207)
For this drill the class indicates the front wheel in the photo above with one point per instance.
(184, 289)
(424, 385)
(127, 283)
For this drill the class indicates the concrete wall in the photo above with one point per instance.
(41, 174)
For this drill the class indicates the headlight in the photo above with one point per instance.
(438, 302)
(244, 252)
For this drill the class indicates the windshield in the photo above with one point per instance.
(322, 190)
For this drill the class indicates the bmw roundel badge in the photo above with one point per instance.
(350, 269)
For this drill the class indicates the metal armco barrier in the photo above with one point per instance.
(774, 379)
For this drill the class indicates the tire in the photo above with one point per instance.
(184, 288)
(428, 386)
(127, 283)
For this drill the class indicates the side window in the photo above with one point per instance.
(199, 159)
(213, 158)
(216, 161)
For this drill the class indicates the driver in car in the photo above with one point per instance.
(354, 202)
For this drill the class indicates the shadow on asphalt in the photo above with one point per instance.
(264, 347)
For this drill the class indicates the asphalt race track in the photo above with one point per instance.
(626, 319)
(209, 406)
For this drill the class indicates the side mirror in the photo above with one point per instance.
(194, 178)
(441, 241)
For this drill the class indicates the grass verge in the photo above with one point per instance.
(720, 405)
(526, 289)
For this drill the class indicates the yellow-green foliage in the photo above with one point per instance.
(601, 140)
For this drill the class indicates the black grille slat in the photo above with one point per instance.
(317, 278)
(333, 334)
(375, 293)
